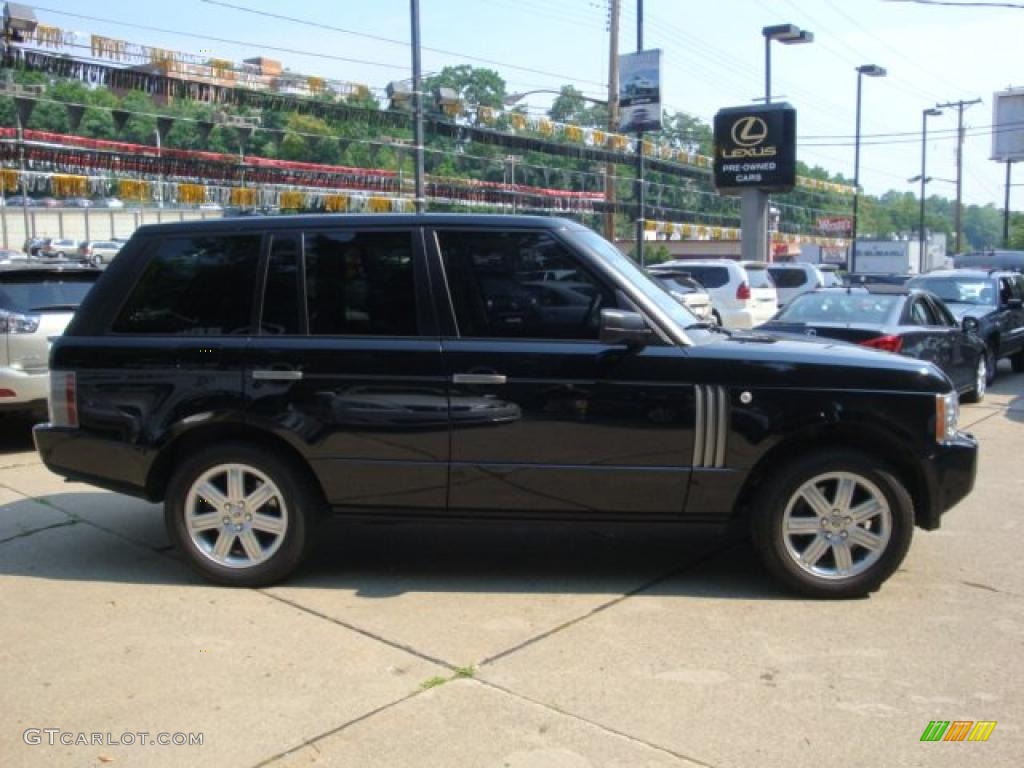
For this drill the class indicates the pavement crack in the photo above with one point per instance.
(675, 571)
(311, 742)
(364, 632)
(34, 531)
(594, 724)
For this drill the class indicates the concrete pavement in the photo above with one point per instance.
(412, 645)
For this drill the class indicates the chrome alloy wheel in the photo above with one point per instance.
(235, 515)
(837, 525)
(981, 379)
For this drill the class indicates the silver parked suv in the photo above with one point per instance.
(37, 300)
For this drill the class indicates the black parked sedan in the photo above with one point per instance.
(911, 322)
(989, 302)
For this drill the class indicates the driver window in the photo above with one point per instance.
(922, 314)
(520, 285)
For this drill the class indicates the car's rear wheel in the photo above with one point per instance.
(977, 393)
(990, 360)
(834, 525)
(1017, 361)
(241, 515)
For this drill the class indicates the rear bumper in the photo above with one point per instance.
(30, 390)
(745, 318)
(109, 464)
(951, 473)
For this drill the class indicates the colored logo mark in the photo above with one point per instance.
(958, 730)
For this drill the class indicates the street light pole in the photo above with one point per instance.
(417, 103)
(641, 192)
(871, 70)
(925, 114)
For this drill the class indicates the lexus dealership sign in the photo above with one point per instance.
(755, 148)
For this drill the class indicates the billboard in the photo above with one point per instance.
(755, 148)
(1008, 125)
(640, 91)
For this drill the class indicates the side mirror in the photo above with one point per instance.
(971, 324)
(621, 327)
(1014, 303)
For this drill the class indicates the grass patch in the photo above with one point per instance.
(469, 671)
(433, 682)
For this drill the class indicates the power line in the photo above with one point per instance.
(379, 38)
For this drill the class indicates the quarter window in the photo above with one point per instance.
(195, 286)
(499, 287)
(360, 283)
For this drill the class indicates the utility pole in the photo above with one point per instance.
(417, 106)
(614, 9)
(1006, 207)
(960, 107)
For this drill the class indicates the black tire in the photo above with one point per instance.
(977, 393)
(1017, 361)
(991, 360)
(302, 502)
(768, 520)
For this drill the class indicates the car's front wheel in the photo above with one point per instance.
(977, 393)
(241, 515)
(1017, 361)
(834, 525)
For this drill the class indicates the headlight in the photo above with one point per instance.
(947, 414)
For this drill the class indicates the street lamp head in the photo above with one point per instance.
(787, 34)
(932, 112)
(872, 70)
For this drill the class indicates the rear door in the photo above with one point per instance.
(928, 337)
(547, 420)
(346, 364)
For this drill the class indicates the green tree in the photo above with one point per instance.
(571, 107)
(476, 86)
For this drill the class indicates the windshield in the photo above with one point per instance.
(960, 290)
(33, 293)
(839, 307)
(625, 266)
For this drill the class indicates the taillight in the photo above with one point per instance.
(743, 292)
(14, 322)
(63, 400)
(885, 343)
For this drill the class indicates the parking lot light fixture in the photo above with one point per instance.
(787, 34)
(869, 70)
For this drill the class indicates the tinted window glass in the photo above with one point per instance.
(33, 292)
(281, 295)
(360, 283)
(839, 307)
(195, 286)
(788, 278)
(495, 293)
(709, 277)
(941, 311)
(959, 290)
(759, 277)
(921, 314)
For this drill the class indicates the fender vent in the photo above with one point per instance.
(712, 426)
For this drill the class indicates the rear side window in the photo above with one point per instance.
(709, 277)
(35, 292)
(195, 286)
(759, 278)
(788, 278)
(360, 283)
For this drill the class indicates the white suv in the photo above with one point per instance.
(793, 279)
(742, 295)
(37, 301)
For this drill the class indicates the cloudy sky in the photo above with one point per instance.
(714, 57)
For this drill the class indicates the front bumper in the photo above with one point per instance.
(951, 472)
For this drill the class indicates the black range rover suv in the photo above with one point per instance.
(254, 373)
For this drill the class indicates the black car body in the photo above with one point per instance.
(908, 321)
(990, 302)
(387, 366)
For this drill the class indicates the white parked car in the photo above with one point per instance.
(683, 288)
(792, 279)
(37, 300)
(742, 296)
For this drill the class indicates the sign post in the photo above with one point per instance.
(755, 154)
(1008, 140)
(639, 111)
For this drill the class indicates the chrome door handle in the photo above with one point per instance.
(262, 375)
(479, 378)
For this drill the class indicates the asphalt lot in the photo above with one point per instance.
(403, 645)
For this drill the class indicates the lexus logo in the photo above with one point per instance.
(749, 131)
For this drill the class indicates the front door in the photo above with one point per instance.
(546, 419)
(347, 364)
